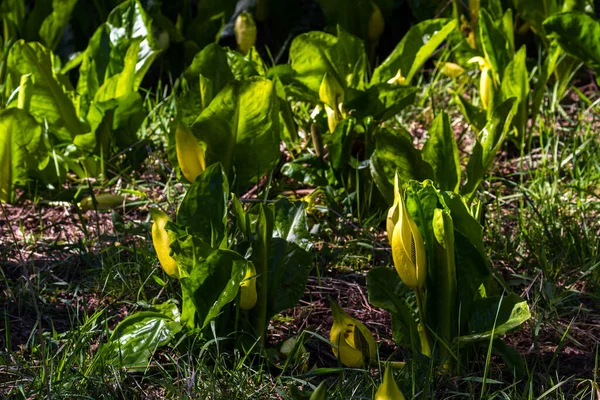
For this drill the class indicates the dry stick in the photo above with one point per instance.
(35, 307)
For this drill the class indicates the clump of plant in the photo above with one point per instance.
(237, 268)
(442, 296)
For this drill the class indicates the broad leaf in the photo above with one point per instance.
(313, 54)
(136, 338)
(414, 49)
(395, 152)
(50, 98)
(578, 34)
(214, 283)
(240, 129)
(382, 101)
(497, 315)
(441, 152)
(105, 54)
(515, 83)
(211, 64)
(54, 25)
(288, 269)
(21, 149)
(386, 290)
(535, 12)
(203, 210)
(488, 143)
(291, 224)
(493, 42)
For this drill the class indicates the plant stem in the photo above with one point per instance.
(425, 336)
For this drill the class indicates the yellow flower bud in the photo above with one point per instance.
(331, 94)
(248, 294)
(162, 243)
(190, 154)
(394, 211)
(376, 23)
(486, 82)
(388, 390)
(355, 344)
(408, 249)
(245, 32)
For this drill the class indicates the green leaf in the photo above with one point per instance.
(339, 146)
(290, 223)
(54, 25)
(288, 268)
(535, 12)
(386, 290)
(136, 338)
(441, 152)
(189, 251)
(395, 152)
(211, 64)
(578, 34)
(122, 83)
(381, 101)
(494, 43)
(516, 84)
(414, 49)
(497, 314)
(240, 129)
(203, 210)
(13, 14)
(21, 149)
(488, 143)
(213, 283)
(463, 221)
(105, 55)
(474, 115)
(313, 54)
(50, 97)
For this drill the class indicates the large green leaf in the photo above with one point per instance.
(497, 315)
(213, 283)
(386, 290)
(414, 49)
(494, 43)
(313, 54)
(535, 12)
(51, 99)
(105, 54)
(13, 14)
(203, 210)
(240, 129)
(210, 65)
(382, 101)
(395, 152)
(488, 143)
(136, 338)
(21, 149)
(53, 26)
(288, 268)
(578, 34)
(290, 223)
(441, 152)
(515, 83)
